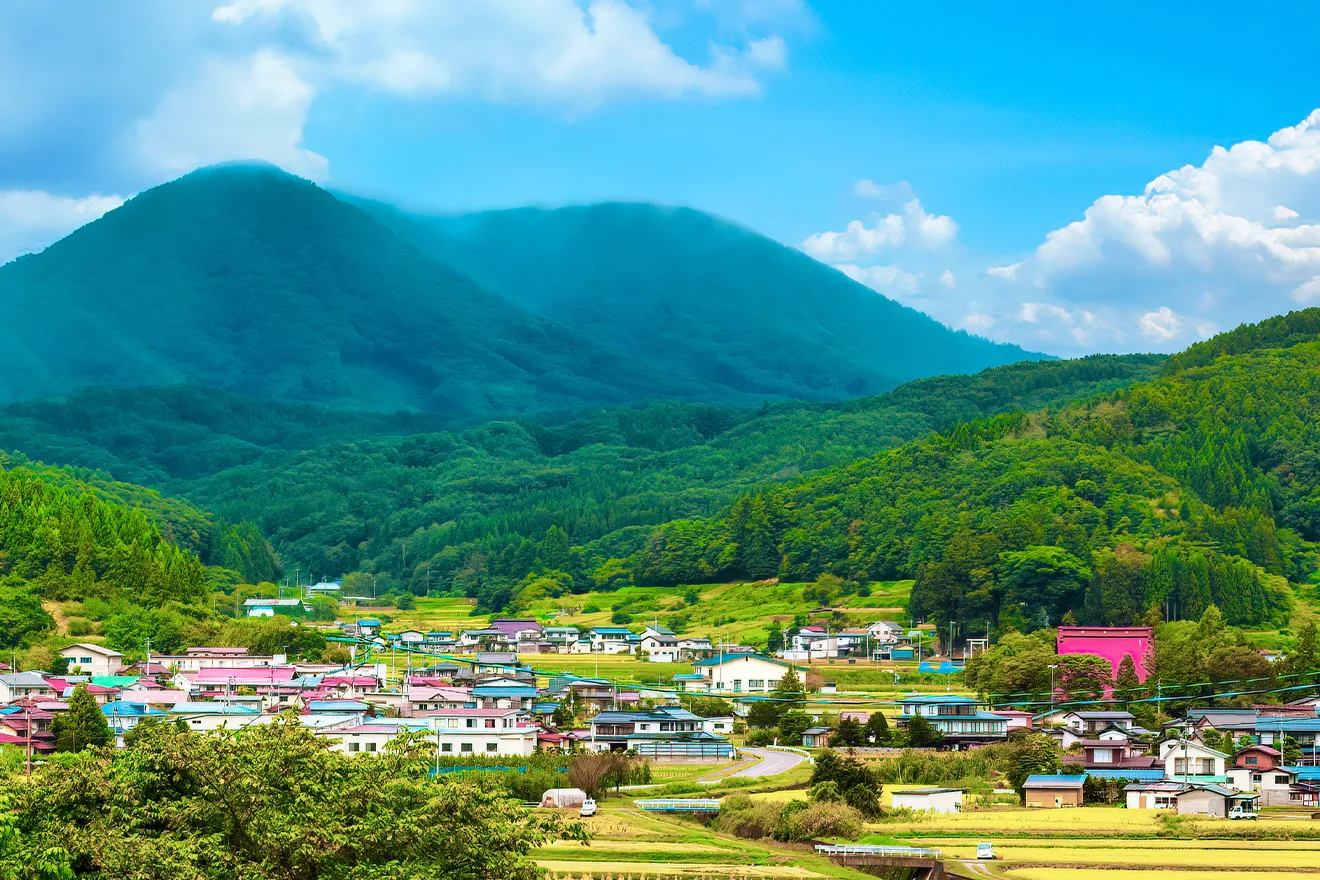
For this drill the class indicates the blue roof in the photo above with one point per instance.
(337, 706)
(368, 621)
(1056, 780)
(545, 708)
(1138, 775)
(212, 708)
(611, 629)
(120, 708)
(1305, 774)
(944, 668)
(689, 676)
(730, 658)
(938, 700)
(519, 692)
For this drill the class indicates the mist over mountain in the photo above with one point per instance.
(250, 280)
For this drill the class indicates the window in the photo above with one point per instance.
(490, 723)
(353, 747)
(1251, 760)
(1255, 777)
(472, 722)
(446, 747)
(86, 661)
(1281, 779)
(465, 747)
(371, 747)
(492, 747)
(756, 684)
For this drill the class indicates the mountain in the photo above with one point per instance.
(701, 297)
(260, 283)
(247, 279)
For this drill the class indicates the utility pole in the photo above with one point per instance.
(1053, 667)
(27, 748)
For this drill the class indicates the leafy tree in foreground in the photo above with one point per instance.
(272, 802)
(877, 729)
(83, 725)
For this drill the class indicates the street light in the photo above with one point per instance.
(1053, 667)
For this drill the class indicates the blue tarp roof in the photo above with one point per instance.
(1137, 775)
(1056, 780)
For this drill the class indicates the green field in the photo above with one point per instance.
(737, 612)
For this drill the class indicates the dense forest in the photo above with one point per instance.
(1105, 489)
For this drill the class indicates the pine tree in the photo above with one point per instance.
(83, 725)
(921, 734)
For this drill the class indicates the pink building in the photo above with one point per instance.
(1111, 642)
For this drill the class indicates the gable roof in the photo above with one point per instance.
(733, 658)
(1055, 780)
(95, 649)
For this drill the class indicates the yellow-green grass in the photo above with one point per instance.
(1137, 874)
(562, 870)
(1245, 856)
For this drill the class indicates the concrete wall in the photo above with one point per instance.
(1202, 803)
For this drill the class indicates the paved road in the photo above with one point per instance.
(772, 763)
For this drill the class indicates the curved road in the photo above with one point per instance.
(772, 763)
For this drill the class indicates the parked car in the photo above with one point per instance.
(985, 851)
(588, 808)
(1241, 813)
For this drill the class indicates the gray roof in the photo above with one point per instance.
(25, 679)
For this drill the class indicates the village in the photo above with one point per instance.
(478, 693)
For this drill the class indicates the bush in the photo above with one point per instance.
(591, 608)
(78, 626)
(744, 817)
(621, 617)
(818, 820)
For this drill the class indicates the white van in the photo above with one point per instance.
(588, 808)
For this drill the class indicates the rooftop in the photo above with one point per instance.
(1056, 780)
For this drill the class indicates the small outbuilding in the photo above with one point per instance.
(1055, 790)
(930, 800)
(816, 738)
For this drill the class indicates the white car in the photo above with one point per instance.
(985, 851)
(588, 808)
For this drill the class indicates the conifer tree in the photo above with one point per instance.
(83, 725)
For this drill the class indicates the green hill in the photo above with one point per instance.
(701, 297)
(250, 280)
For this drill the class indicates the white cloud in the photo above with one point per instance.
(949, 280)
(914, 228)
(977, 322)
(898, 193)
(578, 53)
(886, 279)
(1214, 244)
(245, 108)
(32, 219)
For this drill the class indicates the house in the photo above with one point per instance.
(123, 716)
(1089, 723)
(1306, 732)
(1115, 754)
(504, 693)
(610, 639)
(495, 662)
(1304, 794)
(667, 733)
(691, 682)
(959, 719)
(816, 737)
(743, 673)
(475, 732)
(515, 631)
(694, 646)
(208, 716)
(1191, 762)
(884, 632)
(1208, 799)
(719, 725)
(368, 627)
(412, 637)
(1260, 769)
(24, 685)
(195, 659)
(659, 644)
(1110, 642)
(1153, 795)
(560, 638)
(91, 659)
(929, 800)
(1054, 790)
(271, 607)
(1016, 718)
(427, 699)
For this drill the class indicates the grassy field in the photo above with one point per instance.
(739, 612)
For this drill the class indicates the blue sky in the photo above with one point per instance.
(988, 167)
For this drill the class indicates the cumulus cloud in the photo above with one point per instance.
(913, 228)
(247, 108)
(578, 53)
(949, 280)
(977, 322)
(32, 219)
(1236, 238)
(898, 193)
